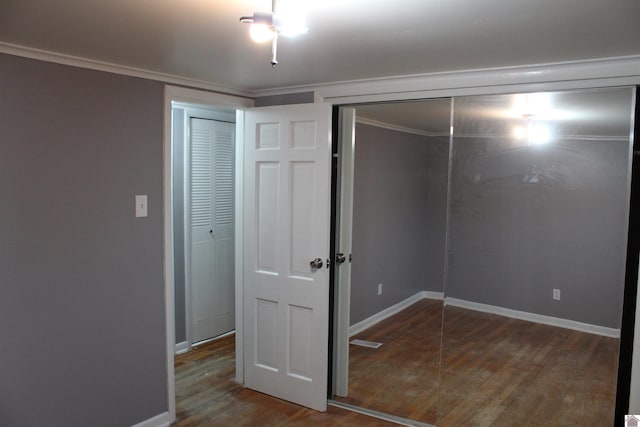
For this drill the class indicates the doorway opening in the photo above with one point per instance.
(203, 223)
(207, 106)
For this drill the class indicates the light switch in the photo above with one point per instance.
(141, 205)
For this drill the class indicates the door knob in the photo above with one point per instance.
(340, 258)
(316, 263)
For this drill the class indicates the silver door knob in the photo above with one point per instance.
(340, 258)
(316, 263)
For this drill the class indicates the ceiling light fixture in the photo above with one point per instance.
(285, 20)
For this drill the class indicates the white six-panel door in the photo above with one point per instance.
(286, 226)
(212, 146)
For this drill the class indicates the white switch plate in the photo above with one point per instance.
(141, 205)
(556, 294)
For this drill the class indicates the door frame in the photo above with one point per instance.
(343, 217)
(207, 100)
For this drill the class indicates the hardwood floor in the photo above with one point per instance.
(207, 395)
(495, 371)
(498, 371)
(400, 377)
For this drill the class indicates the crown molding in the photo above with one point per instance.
(600, 72)
(590, 73)
(76, 61)
(389, 126)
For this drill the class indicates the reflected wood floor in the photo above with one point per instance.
(400, 377)
(207, 395)
(498, 371)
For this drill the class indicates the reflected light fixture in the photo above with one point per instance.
(284, 19)
(533, 133)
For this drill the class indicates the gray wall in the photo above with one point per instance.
(178, 118)
(287, 98)
(528, 219)
(436, 214)
(392, 238)
(82, 292)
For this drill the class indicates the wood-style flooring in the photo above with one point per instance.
(207, 395)
(490, 370)
(495, 371)
(498, 371)
(400, 377)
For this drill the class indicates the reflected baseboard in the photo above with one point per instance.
(356, 328)
(533, 317)
(182, 347)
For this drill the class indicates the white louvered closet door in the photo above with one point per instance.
(212, 228)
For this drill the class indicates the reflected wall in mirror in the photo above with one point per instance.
(397, 273)
(536, 258)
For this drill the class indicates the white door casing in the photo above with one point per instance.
(286, 226)
(211, 187)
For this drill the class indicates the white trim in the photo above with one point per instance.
(216, 338)
(533, 317)
(383, 125)
(239, 245)
(162, 420)
(634, 394)
(390, 311)
(169, 279)
(564, 137)
(581, 74)
(186, 225)
(599, 72)
(125, 70)
(208, 99)
(182, 347)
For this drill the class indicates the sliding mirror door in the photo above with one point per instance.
(397, 272)
(538, 216)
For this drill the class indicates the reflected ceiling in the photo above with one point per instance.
(602, 113)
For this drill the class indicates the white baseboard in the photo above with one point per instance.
(390, 311)
(432, 295)
(162, 420)
(533, 317)
(182, 347)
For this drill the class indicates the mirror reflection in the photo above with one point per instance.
(537, 245)
(488, 263)
(397, 274)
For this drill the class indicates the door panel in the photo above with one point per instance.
(212, 248)
(286, 222)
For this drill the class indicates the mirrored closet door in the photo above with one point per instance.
(489, 248)
(397, 272)
(538, 220)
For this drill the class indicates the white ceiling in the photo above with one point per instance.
(348, 39)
